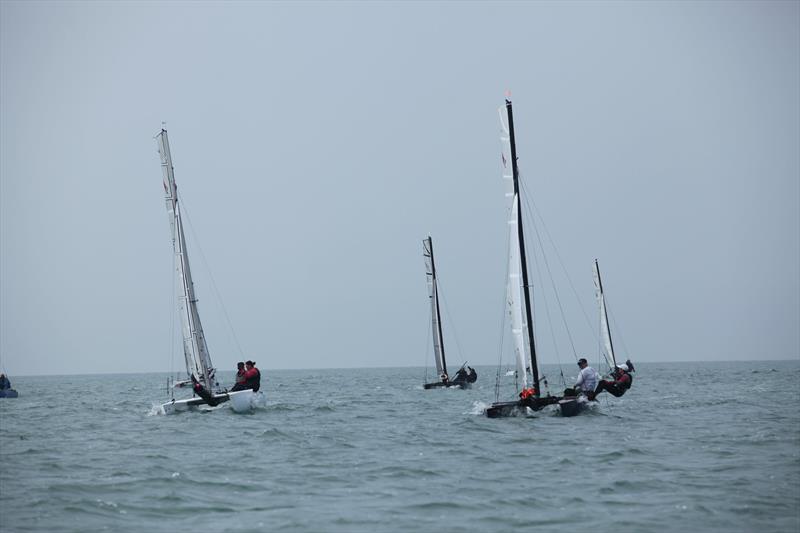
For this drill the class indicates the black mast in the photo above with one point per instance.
(436, 297)
(523, 259)
(605, 311)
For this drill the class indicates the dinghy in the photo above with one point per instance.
(466, 375)
(201, 374)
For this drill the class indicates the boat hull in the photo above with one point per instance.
(240, 401)
(441, 384)
(8, 393)
(520, 407)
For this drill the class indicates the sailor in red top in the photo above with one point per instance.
(252, 376)
(622, 381)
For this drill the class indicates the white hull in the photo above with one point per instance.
(242, 401)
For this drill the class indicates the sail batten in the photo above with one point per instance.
(195, 349)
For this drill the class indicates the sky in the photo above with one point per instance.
(315, 145)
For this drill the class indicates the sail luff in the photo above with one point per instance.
(198, 360)
(433, 294)
(605, 330)
(523, 258)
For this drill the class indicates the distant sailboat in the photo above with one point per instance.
(571, 406)
(5, 388)
(520, 306)
(199, 369)
(466, 375)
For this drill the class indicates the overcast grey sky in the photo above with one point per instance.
(316, 144)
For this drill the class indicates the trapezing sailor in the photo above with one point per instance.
(621, 383)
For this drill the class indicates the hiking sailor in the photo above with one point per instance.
(622, 381)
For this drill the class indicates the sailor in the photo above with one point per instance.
(204, 393)
(445, 378)
(622, 381)
(472, 376)
(240, 379)
(4, 382)
(252, 376)
(587, 378)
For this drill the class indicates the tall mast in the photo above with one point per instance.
(195, 349)
(523, 259)
(438, 339)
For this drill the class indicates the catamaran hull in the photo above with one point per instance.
(520, 407)
(441, 384)
(240, 401)
(8, 393)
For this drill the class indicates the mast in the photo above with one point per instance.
(195, 349)
(433, 294)
(604, 326)
(521, 238)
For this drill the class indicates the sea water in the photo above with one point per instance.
(691, 447)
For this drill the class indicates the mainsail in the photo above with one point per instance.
(605, 331)
(433, 294)
(518, 324)
(195, 350)
(519, 288)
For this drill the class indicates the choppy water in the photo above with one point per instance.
(697, 447)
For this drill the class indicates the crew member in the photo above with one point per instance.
(252, 376)
(240, 379)
(588, 377)
(622, 382)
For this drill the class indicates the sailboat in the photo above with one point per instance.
(519, 300)
(466, 375)
(5, 388)
(571, 406)
(201, 374)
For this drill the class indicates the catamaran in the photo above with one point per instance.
(201, 374)
(573, 405)
(466, 375)
(520, 306)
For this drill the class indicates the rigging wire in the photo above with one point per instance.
(450, 322)
(211, 277)
(538, 213)
(552, 280)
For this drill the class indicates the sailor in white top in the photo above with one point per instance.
(588, 377)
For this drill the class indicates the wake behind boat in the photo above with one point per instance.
(466, 375)
(201, 374)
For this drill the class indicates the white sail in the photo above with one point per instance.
(195, 350)
(605, 331)
(515, 303)
(433, 294)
